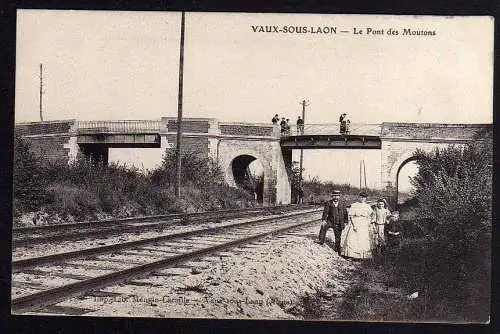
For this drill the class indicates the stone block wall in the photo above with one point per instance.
(50, 140)
(51, 148)
(245, 129)
(44, 128)
(197, 144)
(430, 130)
(189, 126)
(268, 153)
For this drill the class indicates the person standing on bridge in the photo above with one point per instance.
(300, 126)
(335, 217)
(283, 126)
(275, 120)
(343, 123)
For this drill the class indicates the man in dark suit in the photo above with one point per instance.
(335, 217)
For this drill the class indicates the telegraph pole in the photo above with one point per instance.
(41, 92)
(179, 111)
(304, 103)
(360, 168)
(364, 173)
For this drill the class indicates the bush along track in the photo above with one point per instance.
(48, 191)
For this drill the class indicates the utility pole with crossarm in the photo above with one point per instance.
(179, 111)
(304, 103)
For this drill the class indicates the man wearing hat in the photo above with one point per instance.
(335, 217)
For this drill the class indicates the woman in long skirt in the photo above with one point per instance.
(356, 240)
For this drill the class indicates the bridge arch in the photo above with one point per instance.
(234, 164)
(396, 169)
(400, 162)
(240, 171)
(395, 157)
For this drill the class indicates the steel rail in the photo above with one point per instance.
(58, 227)
(41, 299)
(119, 228)
(34, 261)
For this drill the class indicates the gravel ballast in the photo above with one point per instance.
(267, 279)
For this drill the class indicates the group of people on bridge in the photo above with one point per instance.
(285, 125)
(361, 231)
(345, 125)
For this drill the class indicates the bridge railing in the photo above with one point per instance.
(334, 129)
(92, 127)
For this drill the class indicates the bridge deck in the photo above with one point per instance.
(155, 126)
(328, 136)
(334, 129)
(122, 127)
(331, 142)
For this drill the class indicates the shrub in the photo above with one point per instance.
(454, 188)
(195, 169)
(451, 268)
(29, 185)
(86, 191)
(66, 199)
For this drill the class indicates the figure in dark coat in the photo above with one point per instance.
(343, 123)
(300, 195)
(334, 216)
(300, 126)
(393, 231)
(283, 126)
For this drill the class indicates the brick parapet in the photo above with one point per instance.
(49, 139)
(433, 131)
(44, 128)
(245, 129)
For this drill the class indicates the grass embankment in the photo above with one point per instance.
(422, 281)
(442, 269)
(418, 281)
(54, 192)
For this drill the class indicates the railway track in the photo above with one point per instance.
(29, 236)
(42, 281)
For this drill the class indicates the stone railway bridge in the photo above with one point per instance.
(235, 145)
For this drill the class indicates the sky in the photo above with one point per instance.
(124, 65)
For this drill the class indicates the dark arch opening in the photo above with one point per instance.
(398, 190)
(245, 178)
(96, 154)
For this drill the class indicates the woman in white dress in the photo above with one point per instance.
(355, 240)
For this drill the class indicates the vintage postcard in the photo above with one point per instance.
(253, 166)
